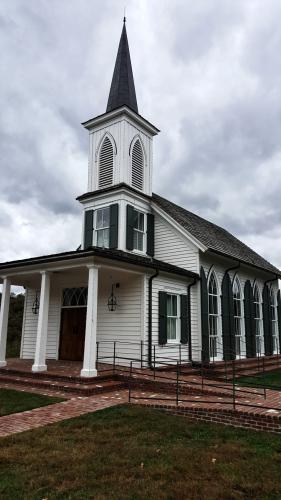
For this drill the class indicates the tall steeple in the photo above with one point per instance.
(122, 90)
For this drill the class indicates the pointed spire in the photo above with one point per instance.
(122, 90)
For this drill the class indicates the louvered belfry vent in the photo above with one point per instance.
(106, 164)
(137, 166)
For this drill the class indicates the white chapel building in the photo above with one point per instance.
(151, 280)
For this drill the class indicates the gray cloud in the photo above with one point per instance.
(207, 73)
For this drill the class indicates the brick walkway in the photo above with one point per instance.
(39, 417)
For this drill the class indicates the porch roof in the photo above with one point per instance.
(118, 255)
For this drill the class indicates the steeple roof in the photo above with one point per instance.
(122, 90)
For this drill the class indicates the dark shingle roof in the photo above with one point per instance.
(122, 90)
(214, 237)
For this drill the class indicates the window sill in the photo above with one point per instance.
(138, 252)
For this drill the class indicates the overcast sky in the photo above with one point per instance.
(207, 73)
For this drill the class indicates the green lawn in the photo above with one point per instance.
(271, 380)
(138, 453)
(14, 401)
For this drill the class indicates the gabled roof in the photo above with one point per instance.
(214, 237)
(122, 90)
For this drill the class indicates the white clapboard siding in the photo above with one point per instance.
(29, 331)
(123, 325)
(170, 353)
(172, 247)
(30, 322)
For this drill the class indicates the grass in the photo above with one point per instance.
(12, 401)
(270, 380)
(135, 453)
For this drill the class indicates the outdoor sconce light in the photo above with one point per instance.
(112, 301)
(35, 305)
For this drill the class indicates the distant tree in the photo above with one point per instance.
(14, 325)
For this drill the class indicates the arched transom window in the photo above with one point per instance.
(74, 297)
(258, 319)
(137, 165)
(213, 315)
(106, 164)
(274, 319)
(238, 307)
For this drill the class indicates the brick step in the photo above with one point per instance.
(52, 376)
(89, 389)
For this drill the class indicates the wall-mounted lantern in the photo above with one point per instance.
(35, 305)
(112, 301)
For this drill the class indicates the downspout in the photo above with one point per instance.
(189, 317)
(232, 268)
(269, 281)
(150, 317)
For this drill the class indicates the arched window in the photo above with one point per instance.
(274, 320)
(137, 165)
(213, 315)
(106, 164)
(75, 297)
(258, 319)
(238, 315)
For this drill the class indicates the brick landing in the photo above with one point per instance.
(75, 407)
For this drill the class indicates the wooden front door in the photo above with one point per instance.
(72, 336)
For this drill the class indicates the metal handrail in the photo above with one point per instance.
(177, 399)
(161, 362)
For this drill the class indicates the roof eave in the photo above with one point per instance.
(95, 252)
(100, 119)
(276, 273)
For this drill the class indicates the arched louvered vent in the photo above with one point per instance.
(106, 164)
(137, 166)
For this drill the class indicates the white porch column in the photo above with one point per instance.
(90, 349)
(42, 328)
(4, 314)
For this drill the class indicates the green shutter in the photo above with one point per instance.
(267, 325)
(279, 317)
(130, 228)
(249, 314)
(184, 320)
(88, 229)
(162, 318)
(204, 316)
(150, 235)
(228, 336)
(113, 231)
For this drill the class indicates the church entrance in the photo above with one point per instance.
(73, 324)
(72, 336)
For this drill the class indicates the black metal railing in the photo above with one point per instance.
(115, 357)
(232, 392)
